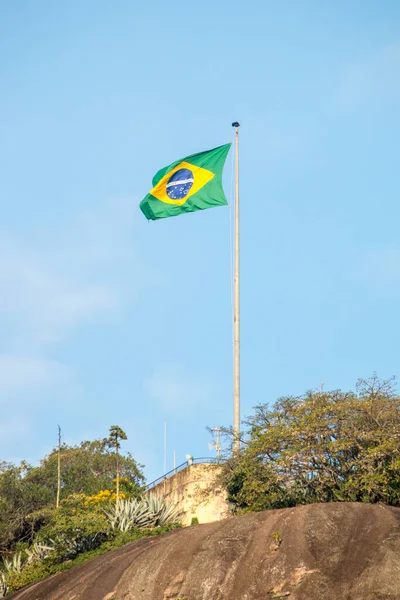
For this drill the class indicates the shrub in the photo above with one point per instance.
(150, 511)
(33, 572)
(325, 446)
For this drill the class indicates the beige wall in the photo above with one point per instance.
(196, 492)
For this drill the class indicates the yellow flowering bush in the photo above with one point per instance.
(103, 497)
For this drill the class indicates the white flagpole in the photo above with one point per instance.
(236, 300)
(165, 446)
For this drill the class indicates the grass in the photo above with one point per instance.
(49, 566)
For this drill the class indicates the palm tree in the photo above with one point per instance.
(113, 441)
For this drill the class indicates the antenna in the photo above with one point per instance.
(215, 443)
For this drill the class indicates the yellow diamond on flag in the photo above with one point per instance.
(185, 176)
(186, 185)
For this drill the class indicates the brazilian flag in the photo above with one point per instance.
(192, 183)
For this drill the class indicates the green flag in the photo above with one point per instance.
(192, 183)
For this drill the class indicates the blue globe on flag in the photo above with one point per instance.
(179, 184)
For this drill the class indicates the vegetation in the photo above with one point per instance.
(85, 469)
(150, 511)
(113, 441)
(35, 571)
(324, 446)
(81, 501)
(321, 447)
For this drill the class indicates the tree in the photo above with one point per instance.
(27, 492)
(116, 434)
(20, 495)
(320, 447)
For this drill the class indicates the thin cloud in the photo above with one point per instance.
(381, 270)
(55, 283)
(43, 303)
(26, 384)
(85, 271)
(177, 390)
(19, 373)
(12, 430)
(376, 79)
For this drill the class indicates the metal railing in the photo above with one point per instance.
(192, 461)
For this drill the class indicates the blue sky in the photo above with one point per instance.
(106, 319)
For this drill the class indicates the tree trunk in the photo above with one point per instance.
(117, 498)
(58, 468)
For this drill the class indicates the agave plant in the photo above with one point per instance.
(3, 584)
(10, 565)
(129, 514)
(82, 544)
(68, 547)
(37, 552)
(162, 512)
(150, 511)
(13, 564)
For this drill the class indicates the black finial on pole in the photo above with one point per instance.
(235, 124)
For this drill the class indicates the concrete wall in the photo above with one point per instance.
(196, 492)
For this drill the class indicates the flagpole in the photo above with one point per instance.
(236, 301)
(165, 446)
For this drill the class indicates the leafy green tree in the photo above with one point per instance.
(113, 441)
(320, 447)
(20, 494)
(90, 467)
(75, 526)
(27, 492)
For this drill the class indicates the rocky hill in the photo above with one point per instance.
(315, 552)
